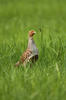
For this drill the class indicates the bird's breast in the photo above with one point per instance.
(32, 47)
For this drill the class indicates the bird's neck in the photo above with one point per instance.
(30, 38)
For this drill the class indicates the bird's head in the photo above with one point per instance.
(31, 33)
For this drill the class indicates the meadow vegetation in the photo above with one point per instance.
(46, 80)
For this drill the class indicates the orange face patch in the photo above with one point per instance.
(31, 33)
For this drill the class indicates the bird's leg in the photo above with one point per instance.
(30, 65)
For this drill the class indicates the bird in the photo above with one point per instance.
(31, 53)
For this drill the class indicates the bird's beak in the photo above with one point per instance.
(34, 32)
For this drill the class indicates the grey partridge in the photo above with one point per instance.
(31, 53)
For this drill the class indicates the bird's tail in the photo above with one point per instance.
(17, 64)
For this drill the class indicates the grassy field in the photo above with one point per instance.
(46, 80)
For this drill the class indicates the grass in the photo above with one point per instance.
(46, 80)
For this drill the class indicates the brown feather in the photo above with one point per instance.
(25, 55)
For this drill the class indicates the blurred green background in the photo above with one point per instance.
(17, 16)
(47, 78)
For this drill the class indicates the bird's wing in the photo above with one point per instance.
(25, 55)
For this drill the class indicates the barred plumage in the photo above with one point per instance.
(25, 55)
